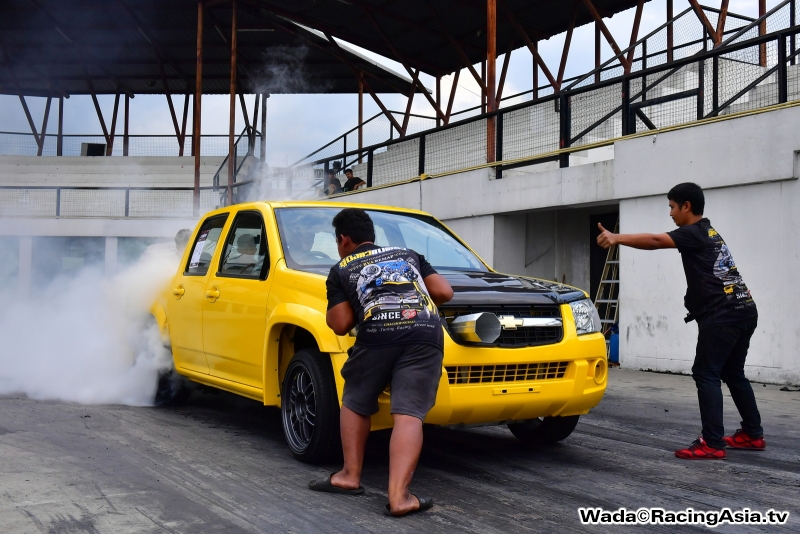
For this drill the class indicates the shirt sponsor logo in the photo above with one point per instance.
(409, 314)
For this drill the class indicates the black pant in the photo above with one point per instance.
(721, 352)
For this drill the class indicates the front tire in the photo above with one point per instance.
(545, 430)
(310, 408)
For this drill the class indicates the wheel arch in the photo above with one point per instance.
(290, 328)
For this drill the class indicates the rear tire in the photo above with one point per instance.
(172, 389)
(544, 430)
(310, 408)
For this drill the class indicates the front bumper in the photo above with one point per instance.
(493, 398)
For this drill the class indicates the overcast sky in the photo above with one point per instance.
(298, 124)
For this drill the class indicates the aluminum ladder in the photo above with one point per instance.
(607, 298)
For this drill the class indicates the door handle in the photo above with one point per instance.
(178, 291)
(212, 294)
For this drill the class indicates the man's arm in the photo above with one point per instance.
(608, 239)
(438, 288)
(341, 318)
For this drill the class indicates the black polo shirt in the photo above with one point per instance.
(716, 293)
(385, 287)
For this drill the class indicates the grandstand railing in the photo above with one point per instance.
(748, 71)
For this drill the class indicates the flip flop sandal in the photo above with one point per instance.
(425, 503)
(325, 485)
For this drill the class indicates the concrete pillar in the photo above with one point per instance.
(112, 243)
(25, 262)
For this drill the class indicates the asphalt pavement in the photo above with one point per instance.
(219, 464)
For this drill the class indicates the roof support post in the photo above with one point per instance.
(491, 77)
(712, 31)
(253, 129)
(452, 97)
(125, 119)
(60, 138)
(198, 94)
(182, 138)
(264, 98)
(610, 38)
(534, 52)
(438, 98)
(762, 30)
(483, 90)
(110, 147)
(535, 80)
(99, 112)
(723, 16)
(637, 19)
(232, 108)
(670, 32)
(30, 119)
(44, 126)
(410, 101)
(503, 72)
(596, 52)
(248, 130)
(361, 117)
(567, 41)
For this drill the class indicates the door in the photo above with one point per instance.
(235, 310)
(185, 308)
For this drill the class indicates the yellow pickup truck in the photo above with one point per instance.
(245, 313)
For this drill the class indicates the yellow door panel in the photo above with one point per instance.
(185, 305)
(235, 304)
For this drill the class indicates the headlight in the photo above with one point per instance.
(587, 320)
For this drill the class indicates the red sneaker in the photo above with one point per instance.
(699, 450)
(740, 440)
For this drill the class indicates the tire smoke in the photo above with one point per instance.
(88, 338)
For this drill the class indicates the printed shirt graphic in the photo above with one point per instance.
(386, 290)
(716, 293)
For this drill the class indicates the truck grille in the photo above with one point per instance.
(521, 337)
(515, 372)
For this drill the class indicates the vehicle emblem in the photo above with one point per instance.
(509, 322)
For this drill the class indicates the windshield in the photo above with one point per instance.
(309, 243)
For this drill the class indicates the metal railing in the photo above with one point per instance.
(687, 38)
(742, 74)
(24, 144)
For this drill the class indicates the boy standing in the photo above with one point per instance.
(718, 299)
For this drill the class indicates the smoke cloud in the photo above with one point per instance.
(88, 338)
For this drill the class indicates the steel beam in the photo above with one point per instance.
(60, 138)
(125, 122)
(198, 94)
(723, 15)
(110, 146)
(637, 19)
(534, 52)
(232, 106)
(670, 31)
(610, 38)
(712, 31)
(567, 41)
(452, 97)
(44, 126)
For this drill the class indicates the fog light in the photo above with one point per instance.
(600, 371)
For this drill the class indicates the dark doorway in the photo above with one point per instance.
(597, 254)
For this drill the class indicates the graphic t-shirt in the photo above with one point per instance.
(716, 293)
(385, 287)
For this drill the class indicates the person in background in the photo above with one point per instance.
(391, 293)
(718, 299)
(332, 184)
(353, 182)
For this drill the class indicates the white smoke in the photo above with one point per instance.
(88, 338)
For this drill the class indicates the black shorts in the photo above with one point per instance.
(412, 370)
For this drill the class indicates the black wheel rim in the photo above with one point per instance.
(299, 410)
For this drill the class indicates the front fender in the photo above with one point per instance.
(306, 318)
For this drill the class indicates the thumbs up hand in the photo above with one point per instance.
(606, 239)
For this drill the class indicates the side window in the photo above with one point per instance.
(245, 248)
(205, 244)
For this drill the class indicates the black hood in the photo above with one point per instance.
(476, 288)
